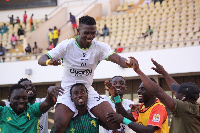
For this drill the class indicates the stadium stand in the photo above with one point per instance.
(174, 23)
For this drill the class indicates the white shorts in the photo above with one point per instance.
(93, 99)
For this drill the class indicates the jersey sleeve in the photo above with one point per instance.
(157, 116)
(35, 109)
(59, 51)
(106, 51)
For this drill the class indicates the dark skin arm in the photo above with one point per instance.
(105, 126)
(42, 61)
(115, 117)
(119, 107)
(115, 58)
(51, 98)
(153, 87)
(160, 69)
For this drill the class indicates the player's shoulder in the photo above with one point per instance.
(159, 106)
(67, 42)
(98, 43)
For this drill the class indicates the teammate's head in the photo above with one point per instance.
(186, 90)
(143, 94)
(86, 30)
(120, 84)
(105, 26)
(18, 98)
(79, 95)
(30, 88)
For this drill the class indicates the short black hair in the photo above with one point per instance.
(77, 84)
(22, 80)
(87, 20)
(117, 77)
(15, 86)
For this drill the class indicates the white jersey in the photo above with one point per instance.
(43, 127)
(125, 104)
(79, 64)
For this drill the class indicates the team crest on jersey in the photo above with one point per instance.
(156, 118)
(9, 119)
(72, 130)
(93, 123)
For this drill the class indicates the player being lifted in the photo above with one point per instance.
(80, 58)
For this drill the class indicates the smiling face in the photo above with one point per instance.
(86, 35)
(30, 88)
(120, 84)
(79, 95)
(18, 100)
(143, 94)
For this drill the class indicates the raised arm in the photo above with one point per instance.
(115, 58)
(45, 60)
(160, 69)
(51, 98)
(119, 108)
(153, 87)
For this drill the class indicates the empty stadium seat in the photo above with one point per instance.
(125, 50)
(188, 44)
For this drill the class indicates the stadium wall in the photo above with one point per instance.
(175, 61)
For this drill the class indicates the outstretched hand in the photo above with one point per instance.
(133, 64)
(54, 62)
(109, 87)
(129, 62)
(159, 68)
(54, 92)
(135, 108)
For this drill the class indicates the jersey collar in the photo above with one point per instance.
(142, 106)
(78, 44)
